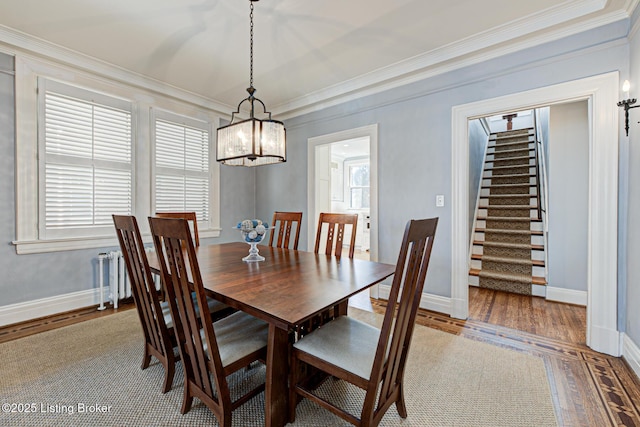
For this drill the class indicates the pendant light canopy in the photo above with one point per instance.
(251, 142)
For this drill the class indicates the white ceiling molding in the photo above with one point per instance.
(15, 43)
(458, 55)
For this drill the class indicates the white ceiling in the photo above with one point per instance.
(308, 53)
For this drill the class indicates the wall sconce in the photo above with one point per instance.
(626, 104)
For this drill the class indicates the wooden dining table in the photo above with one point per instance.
(284, 290)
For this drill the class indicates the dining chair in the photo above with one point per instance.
(372, 359)
(336, 223)
(336, 227)
(283, 222)
(154, 313)
(189, 216)
(210, 351)
(156, 321)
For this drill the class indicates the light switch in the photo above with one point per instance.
(440, 200)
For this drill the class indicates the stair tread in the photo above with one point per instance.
(504, 143)
(509, 185)
(510, 175)
(508, 207)
(509, 245)
(535, 280)
(534, 262)
(509, 167)
(505, 196)
(511, 150)
(508, 218)
(509, 231)
(501, 159)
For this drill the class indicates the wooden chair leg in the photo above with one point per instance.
(169, 372)
(187, 399)
(400, 405)
(146, 358)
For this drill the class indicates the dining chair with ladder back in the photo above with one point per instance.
(189, 216)
(154, 313)
(210, 351)
(370, 358)
(282, 224)
(336, 228)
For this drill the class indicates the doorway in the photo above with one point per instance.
(342, 177)
(601, 93)
(557, 184)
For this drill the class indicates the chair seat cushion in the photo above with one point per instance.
(238, 335)
(214, 306)
(344, 342)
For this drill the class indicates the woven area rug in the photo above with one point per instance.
(89, 374)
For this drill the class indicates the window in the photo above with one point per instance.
(86, 149)
(86, 170)
(182, 166)
(359, 186)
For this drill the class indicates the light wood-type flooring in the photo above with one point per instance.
(588, 388)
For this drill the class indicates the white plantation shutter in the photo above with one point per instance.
(87, 172)
(182, 166)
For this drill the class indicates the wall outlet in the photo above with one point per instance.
(440, 200)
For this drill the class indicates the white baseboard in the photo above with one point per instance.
(568, 296)
(23, 311)
(427, 301)
(631, 353)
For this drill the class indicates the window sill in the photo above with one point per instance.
(24, 247)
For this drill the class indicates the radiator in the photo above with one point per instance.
(118, 279)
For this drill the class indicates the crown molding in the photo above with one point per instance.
(506, 39)
(631, 8)
(523, 33)
(15, 43)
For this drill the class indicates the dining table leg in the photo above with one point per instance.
(276, 389)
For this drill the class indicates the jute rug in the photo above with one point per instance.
(89, 374)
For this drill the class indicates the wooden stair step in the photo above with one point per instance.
(508, 207)
(509, 231)
(506, 196)
(503, 143)
(508, 218)
(509, 245)
(502, 159)
(533, 262)
(508, 185)
(513, 150)
(511, 175)
(535, 280)
(498, 168)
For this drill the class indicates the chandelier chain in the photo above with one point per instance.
(251, 44)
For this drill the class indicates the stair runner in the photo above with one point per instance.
(508, 209)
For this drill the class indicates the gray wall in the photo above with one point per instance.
(414, 160)
(568, 168)
(415, 135)
(632, 263)
(478, 140)
(31, 277)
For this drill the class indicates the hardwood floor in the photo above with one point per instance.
(588, 388)
(535, 315)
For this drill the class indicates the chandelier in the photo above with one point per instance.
(251, 142)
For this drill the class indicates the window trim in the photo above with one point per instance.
(100, 80)
(48, 85)
(212, 227)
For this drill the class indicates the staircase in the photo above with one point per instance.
(508, 242)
